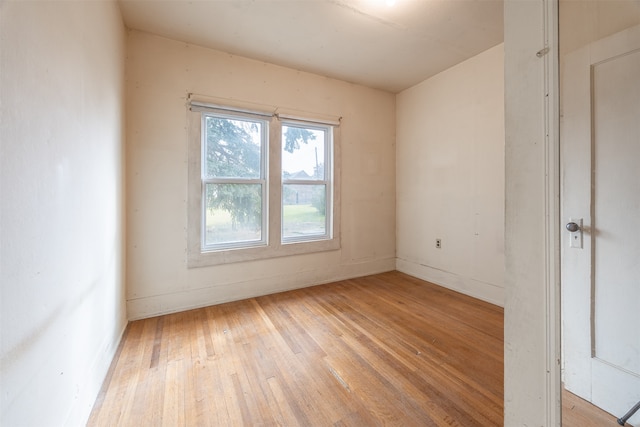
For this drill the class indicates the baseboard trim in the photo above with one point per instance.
(86, 399)
(488, 292)
(157, 305)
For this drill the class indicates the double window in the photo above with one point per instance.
(265, 185)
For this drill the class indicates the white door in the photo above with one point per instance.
(600, 161)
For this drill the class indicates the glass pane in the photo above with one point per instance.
(233, 213)
(303, 153)
(232, 148)
(303, 211)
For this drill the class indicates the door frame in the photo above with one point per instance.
(532, 214)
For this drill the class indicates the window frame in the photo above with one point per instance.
(272, 210)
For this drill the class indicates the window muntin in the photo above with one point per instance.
(306, 182)
(233, 178)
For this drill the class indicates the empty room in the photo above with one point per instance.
(318, 213)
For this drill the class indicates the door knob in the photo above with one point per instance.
(573, 227)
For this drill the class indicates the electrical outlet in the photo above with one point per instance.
(439, 243)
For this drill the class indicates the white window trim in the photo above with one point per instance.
(196, 257)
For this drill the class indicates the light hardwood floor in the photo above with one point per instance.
(386, 349)
(577, 412)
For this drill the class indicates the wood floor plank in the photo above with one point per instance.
(287, 375)
(197, 392)
(132, 378)
(224, 355)
(297, 372)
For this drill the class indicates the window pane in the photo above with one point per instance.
(232, 148)
(233, 213)
(303, 153)
(303, 211)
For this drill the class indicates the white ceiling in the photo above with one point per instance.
(369, 42)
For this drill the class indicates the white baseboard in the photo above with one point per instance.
(86, 397)
(156, 305)
(488, 292)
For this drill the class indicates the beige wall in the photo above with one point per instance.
(450, 177)
(583, 22)
(61, 229)
(160, 74)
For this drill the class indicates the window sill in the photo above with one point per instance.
(196, 258)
